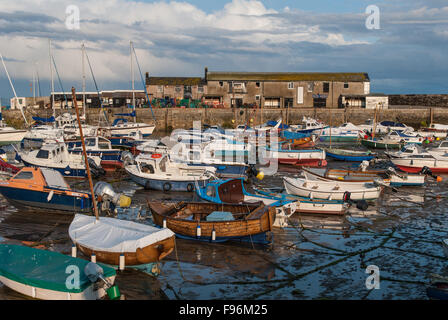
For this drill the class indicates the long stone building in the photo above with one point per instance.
(265, 89)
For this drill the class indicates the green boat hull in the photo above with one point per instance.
(338, 139)
(380, 145)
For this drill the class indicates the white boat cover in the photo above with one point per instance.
(114, 235)
(54, 179)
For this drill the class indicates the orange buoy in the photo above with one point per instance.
(439, 179)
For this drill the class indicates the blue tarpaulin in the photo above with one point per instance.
(38, 119)
(293, 135)
(132, 114)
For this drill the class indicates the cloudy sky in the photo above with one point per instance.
(408, 54)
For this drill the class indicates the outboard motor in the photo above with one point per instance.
(108, 198)
(363, 166)
(95, 169)
(425, 170)
(253, 172)
(127, 158)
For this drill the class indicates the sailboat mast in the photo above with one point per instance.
(83, 82)
(132, 78)
(84, 152)
(52, 81)
(14, 90)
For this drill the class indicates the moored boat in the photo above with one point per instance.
(301, 157)
(382, 143)
(215, 222)
(331, 190)
(415, 164)
(42, 274)
(350, 155)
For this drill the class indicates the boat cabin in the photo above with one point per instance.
(38, 178)
(53, 151)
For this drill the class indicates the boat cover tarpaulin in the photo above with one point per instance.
(54, 179)
(132, 114)
(114, 235)
(294, 135)
(42, 268)
(220, 216)
(38, 119)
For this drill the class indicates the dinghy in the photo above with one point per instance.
(215, 222)
(140, 244)
(382, 143)
(350, 155)
(331, 190)
(43, 274)
(389, 176)
(157, 172)
(233, 191)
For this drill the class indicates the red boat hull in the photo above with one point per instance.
(111, 166)
(418, 169)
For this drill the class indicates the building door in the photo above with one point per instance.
(319, 102)
(237, 103)
(288, 102)
(272, 102)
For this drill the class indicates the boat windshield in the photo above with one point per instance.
(42, 154)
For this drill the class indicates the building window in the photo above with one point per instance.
(257, 84)
(310, 86)
(257, 97)
(346, 85)
(290, 85)
(221, 83)
(178, 89)
(319, 102)
(326, 87)
(200, 89)
(159, 88)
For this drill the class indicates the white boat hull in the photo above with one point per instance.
(315, 190)
(45, 294)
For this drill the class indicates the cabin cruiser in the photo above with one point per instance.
(122, 127)
(408, 137)
(111, 159)
(345, 132)
(384, 126)
(158, 172)
(309, 125)
(56, 156)
(38, 135)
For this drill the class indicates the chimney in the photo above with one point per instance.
(147, 78)
(206, 71)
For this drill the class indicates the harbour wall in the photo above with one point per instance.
(168, 119)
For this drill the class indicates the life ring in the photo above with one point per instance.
(190, 187)
(166, 186)
(156, 156)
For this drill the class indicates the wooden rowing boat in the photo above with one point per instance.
(350, 155)
(215, 222)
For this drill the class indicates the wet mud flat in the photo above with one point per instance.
(315, 257)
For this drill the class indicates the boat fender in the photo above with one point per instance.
(198, 231)
(50, 195)
(164, 223)
(346, 196)
(166, 186)
(190, 187)
(213, 234)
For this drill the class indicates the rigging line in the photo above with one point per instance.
(96, 87)
(143, 82)
(60, 82)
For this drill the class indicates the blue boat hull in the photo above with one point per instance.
(349, 158)
(34, 198)
(260, 238)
